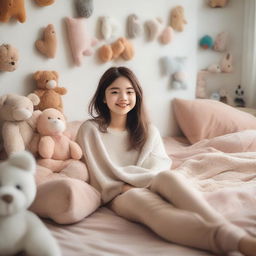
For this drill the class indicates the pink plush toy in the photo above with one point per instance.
(226, 63)
(62, 191)
(81, 42)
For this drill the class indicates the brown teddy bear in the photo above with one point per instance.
(8, 57)
(48, 45)
(12, 8)
(120, 48)
(177, 18)
(48, 90)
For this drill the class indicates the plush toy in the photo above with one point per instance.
(175, 68)
(48, 45)
(177, 18)
(239, 99)
(221, 42)
(214, 68)
(48, 90)
(63, 193)
(84, 8)
(154, 28)
(109, 27)
(120, 48)
(134, 26)
(19, 121)
(12, 8)
(9, 57)
(167, 35)
(44, 2)
(225, 97)
(81, 42)
(201, 85)
(21, 229)
(206, 42)
(226, 63)
(218, 3)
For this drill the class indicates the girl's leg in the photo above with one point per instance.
(179, 191)
(173, 224)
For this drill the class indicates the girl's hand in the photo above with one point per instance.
(126, 187)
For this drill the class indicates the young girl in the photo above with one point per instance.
(128, 165)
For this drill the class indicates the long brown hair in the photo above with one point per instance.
(137, 120)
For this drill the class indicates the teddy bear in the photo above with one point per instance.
(19, 120)
(48, 90)
(9, 57)
(12, 8)
(44, 2)
(63, 193)
(48, 44)
(120, 48)
(177, 18)
(81, 43)
(218, 3)
(22, 229)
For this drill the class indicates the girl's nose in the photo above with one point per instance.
(123, 96)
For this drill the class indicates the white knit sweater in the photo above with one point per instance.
(110, 164)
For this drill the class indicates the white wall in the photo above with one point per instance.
(212, 21)
(82, 81)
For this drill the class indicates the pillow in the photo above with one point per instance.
(205, 119)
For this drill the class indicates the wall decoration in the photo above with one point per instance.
(221, 42)
(175, 67)
(9, 57)
(154, 28)
(206, 42)
(134, 26)
(177, 20)
(226, 63)
(48, 90)
(48, 45)
(12, 9)
(80, 41)
(109, 27)
(120, 48)
(84, 8)
(44, 2)
(218, 3)
(167, 35)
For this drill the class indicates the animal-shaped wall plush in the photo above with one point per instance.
(20, 229)
(80, 41)
(178, 18)
(109, 27)
(19, 121)
(9, 57)
(221, 42)
(84, 8)
(48, 45)
(12, 9)
(44, 2)
(48, 90)
(134, 26)
(120, 48)
(218, 3)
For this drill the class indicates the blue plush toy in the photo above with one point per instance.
(175, 66)
(206, 42)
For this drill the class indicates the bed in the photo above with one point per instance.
(220, 163)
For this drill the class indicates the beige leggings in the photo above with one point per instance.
(178, 213)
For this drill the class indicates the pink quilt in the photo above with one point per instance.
(223, 168)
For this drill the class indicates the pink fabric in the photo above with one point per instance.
(204, 119)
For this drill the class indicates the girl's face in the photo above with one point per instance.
(120, 96)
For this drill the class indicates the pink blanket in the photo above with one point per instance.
(224, 169)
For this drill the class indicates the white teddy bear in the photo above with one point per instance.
(20, 229)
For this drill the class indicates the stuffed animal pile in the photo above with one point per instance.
(20, 229)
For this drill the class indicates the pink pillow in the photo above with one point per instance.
(205, 119)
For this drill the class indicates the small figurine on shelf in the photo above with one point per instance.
(239, 101)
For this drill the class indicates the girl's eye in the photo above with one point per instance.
(49, 118)
(58, 118)
(130, 92)
(18, 187)
(114, 92)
